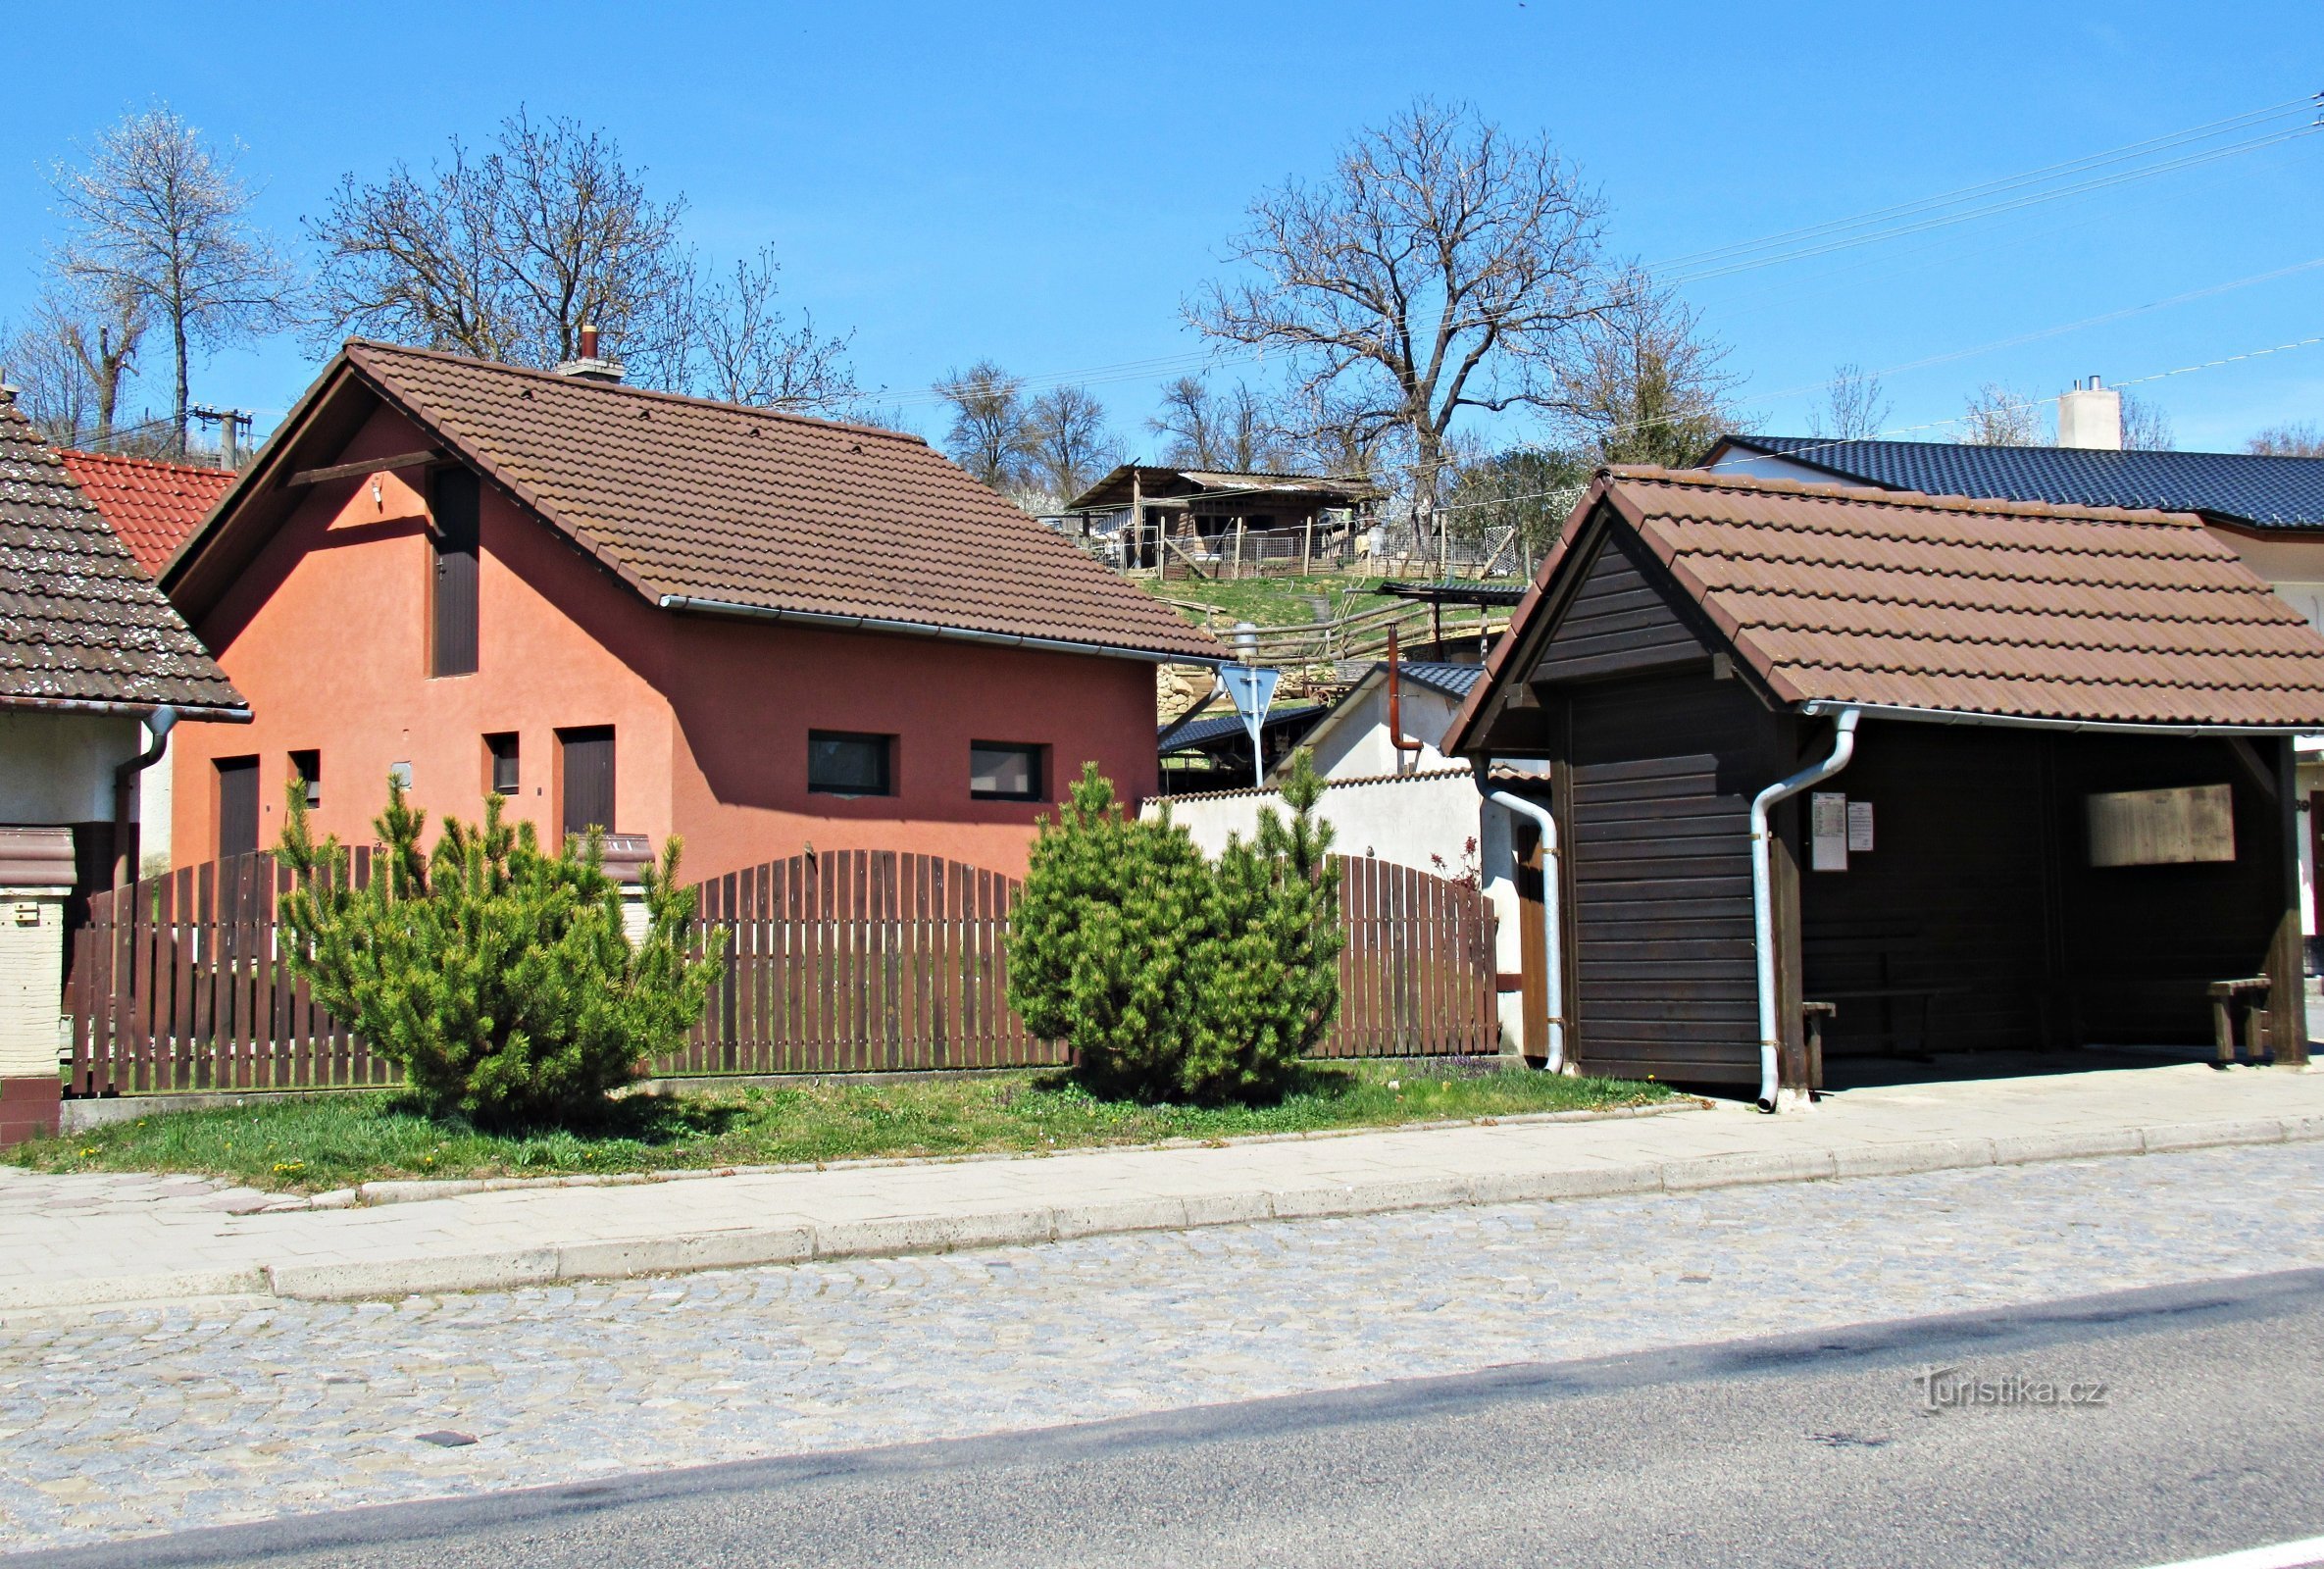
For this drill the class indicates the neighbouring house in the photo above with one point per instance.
(2269, 510)
(154, 507)
(2027, 772)
(1210, 748)
(89, 649)
(1199, 522)
(1411, 804)
(651, 614)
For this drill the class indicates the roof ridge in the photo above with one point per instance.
(624, 389)
(1811, 442)
(1872, 495)
(135, 462)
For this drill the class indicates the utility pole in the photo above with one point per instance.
(231, 424)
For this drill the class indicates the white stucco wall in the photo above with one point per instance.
(1409, 821)
(56, 768)
(1354, 744)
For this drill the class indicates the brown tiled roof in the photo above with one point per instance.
(79, 621)
(693, 500)
(153, 506)
(2007, 609)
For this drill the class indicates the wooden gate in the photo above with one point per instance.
(846, 961)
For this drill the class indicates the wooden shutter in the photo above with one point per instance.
(452, 643)
(587, 769)
(238, 805)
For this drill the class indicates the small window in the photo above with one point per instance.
(238, 805)
(307, 769)
(501, 749)
(1004, 771)
(843, 763)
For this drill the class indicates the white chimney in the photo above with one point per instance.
(2090, 417)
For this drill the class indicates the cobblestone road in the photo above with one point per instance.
(128, 1422)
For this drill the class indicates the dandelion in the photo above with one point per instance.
(1396, 1084)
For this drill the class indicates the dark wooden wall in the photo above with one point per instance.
(1980, 892)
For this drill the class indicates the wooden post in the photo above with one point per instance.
(2286, 966)
(1307, 548)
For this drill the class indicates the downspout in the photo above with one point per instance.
(1395, 704)
(124, 783)
(1553, 973)
(1843, 747)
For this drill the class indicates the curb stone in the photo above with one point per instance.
(1019, 1227)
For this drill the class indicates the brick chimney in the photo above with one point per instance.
(2090, 417)
(592, 365)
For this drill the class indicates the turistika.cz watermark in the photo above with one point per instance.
(1948, 1389)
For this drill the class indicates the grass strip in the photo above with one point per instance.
(322, 1142)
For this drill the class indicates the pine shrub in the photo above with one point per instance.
(499, 976)
(1172, 977)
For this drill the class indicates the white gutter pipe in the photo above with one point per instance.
(1771, 1034)
(1553, 973)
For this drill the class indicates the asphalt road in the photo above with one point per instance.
(1818, 1449)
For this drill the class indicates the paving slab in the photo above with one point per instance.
(85, 1239)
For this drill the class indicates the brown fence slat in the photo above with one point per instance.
(842, 960)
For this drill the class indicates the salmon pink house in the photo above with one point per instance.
(651, 614)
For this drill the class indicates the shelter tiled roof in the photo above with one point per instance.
(79, 621)
(2261, 492)
(1992, 608)
(725, 507)
(1193, 735)
(153, 506)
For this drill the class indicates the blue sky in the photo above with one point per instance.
(1044, 183)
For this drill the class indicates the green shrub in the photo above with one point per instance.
(1169, 976)
(498, 976)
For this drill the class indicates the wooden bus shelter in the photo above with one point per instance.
(1839, 770)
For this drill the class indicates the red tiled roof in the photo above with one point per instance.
(79, 621)
(747, 508)
(2006, 609)
(153, 506)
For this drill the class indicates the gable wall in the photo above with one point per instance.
(327, 633)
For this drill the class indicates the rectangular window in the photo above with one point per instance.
(238, 805)
(1005, 771)
(453, 500)
(307, 769)
(586, 769)
(842, 763)
(501, 749)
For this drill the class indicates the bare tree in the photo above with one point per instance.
(156, 215)
(1856, 406)
(1995, 417)
(507, 253)
(2144, 426)
(1650, 387)
(1069, 442)
(52, 387)
(1237, 431)
(2302, 441)
(1443, 266)
(743, 349)
(991, 433)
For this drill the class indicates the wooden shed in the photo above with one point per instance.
(2026, 775)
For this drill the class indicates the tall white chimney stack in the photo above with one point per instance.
(2090, 417)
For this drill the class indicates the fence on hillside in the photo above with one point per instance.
(845, 961)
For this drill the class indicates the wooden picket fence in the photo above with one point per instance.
(844, 961)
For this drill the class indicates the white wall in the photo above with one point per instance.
(1407, 821)
(56, 768)
(1354, 742)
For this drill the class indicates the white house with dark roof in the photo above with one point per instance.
(95, 669)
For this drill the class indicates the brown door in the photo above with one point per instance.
(238, 805)
(587, 771)
(1534, 986)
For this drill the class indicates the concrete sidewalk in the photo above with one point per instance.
(68, 1240)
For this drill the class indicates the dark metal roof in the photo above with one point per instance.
(2235, 488)
(1450, 678)
(1454, 592)
(1202, 734)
